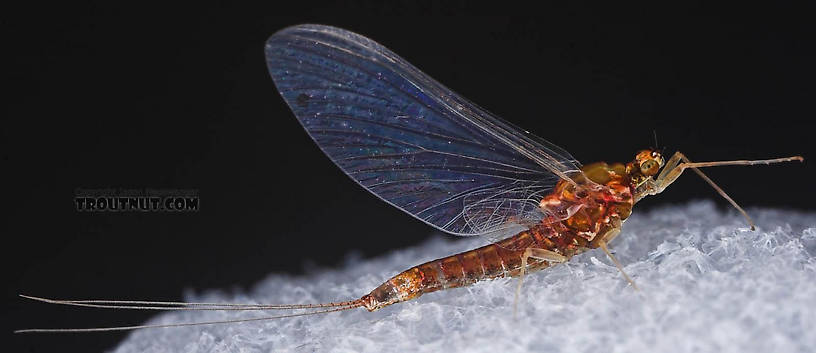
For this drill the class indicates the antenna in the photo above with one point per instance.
(654, 132)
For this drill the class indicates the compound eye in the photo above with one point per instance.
(649, 167)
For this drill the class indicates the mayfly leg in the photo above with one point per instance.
(606, 238)
(674, 168)
(618, 265)
(541, 254)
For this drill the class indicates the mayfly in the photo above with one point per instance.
(422, 148)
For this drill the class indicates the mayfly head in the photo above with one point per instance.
(647, 164)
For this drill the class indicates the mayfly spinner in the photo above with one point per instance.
(433, 154)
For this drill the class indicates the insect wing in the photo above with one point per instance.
(408, 139)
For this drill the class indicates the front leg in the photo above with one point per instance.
(670, 166)
(672, 171)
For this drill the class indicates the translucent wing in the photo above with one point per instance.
(408, 139)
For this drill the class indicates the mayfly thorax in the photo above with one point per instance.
(440, 158)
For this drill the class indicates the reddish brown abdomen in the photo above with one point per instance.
(491, 261)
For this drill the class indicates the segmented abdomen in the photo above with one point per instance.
(501, 259)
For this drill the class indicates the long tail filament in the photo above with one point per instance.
(169, 305)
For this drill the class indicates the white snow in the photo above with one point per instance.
(708, 284)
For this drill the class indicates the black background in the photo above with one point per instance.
(143, 96)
